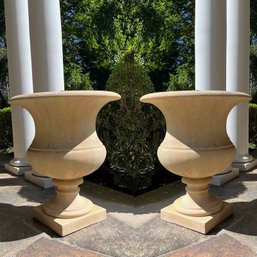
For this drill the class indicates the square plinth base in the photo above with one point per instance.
(18, 171)
(199, 224)
(44, 182)
(221, 179)
(64, 227)
(245, 166)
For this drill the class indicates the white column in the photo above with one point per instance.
(210, 56)
(47, 56)
(210, 44)
(46, 45)
(238, 43)
(20, 78)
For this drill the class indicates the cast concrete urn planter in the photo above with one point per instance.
(196, 147)
(66, 148)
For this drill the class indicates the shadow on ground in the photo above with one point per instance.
(246, 223)
(234, 188)
(13, 227)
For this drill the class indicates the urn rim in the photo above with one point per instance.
(72, 93)
(194, 93)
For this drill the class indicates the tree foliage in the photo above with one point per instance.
(97, 34)
(253, 51)
(4, 85)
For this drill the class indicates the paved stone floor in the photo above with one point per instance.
(133, 227)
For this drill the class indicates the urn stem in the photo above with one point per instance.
(67, 203)
(197, 201)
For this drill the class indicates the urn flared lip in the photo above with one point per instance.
(72, 93)
(194, 93)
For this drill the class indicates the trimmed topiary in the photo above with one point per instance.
(130, 130)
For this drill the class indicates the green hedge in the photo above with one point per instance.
(5, 129)
(253, 124)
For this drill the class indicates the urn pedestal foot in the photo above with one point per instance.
(201, 224)
(64, 227)
(197, 210)
(68, 212)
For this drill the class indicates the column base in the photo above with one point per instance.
(221, 179)
(200, 224)
(245, 166)
(18, 171)
(64, 227)
(243, 158)
(44, 182)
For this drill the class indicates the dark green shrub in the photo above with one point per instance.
(183, 79)
(253, 124)
(75, 79)
(130, 130)
(5, 129)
